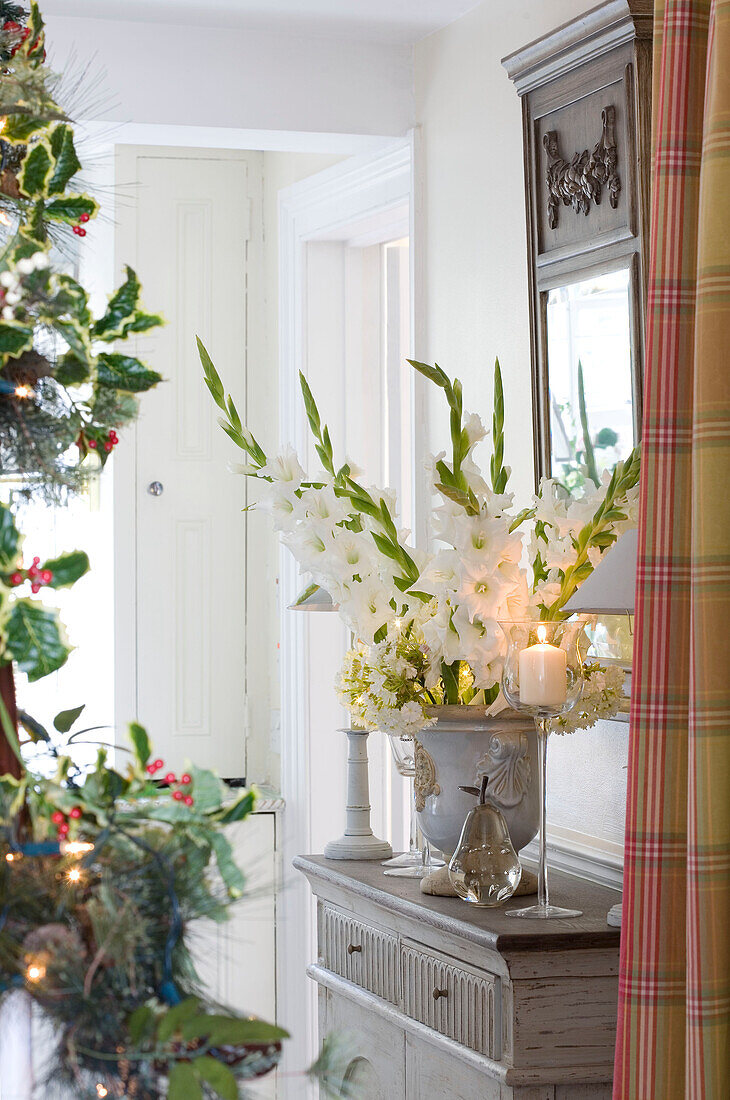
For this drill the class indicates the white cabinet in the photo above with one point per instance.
(442, 999)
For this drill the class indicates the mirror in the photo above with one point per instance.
(589, 376)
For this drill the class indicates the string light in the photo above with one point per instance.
(35, 972)
(23, 391)
(74, 875)
(101, 1090)
(76, 847)
(13, 857)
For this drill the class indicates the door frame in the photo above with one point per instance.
(312, 209)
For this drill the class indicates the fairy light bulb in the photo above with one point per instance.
(76, 847)
(74, 875)
(23, 392)
(36, 972)
(101, 1090)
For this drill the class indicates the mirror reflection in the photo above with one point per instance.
(589, 376)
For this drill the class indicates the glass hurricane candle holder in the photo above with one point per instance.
(543, 676)
(418, 861)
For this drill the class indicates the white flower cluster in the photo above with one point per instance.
(601, 698)
(382, 685)
(447, 601)
(11, 282)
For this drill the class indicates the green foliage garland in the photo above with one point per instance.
(61, 382)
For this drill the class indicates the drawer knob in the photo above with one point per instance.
(440, 993)
(353, 947)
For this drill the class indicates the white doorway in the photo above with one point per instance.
(346, 322)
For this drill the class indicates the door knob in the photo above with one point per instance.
(155, 488)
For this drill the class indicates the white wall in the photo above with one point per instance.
(166, 73)
(475, 306)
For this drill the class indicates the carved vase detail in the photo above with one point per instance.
(580, 181)
(507, 764)
(424, 782)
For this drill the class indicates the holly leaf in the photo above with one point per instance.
(66, 718)
(240, 809)
(14, 338)
(67, 568)
(35, 639)
(67, 163)
(76, 336)
(183, 1083)
(36, 169)
(10, 539)
(124, 372)
(218, 1076)
(229, 870)
(18, 128)
(72, 371)
(69, 208)
(33, 727)
(122, 315)
(140, 742)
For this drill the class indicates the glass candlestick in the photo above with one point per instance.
(543, 675)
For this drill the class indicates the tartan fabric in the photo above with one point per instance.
(674, 988)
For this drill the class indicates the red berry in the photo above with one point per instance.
(170, 778)
(93, 444)
(108, 446)
(76, 813)
(84, 218)
(177, 795)
(76, 230)
(35, 588)
(63, 830)
(16, 578)
(186, 779)
(113, 436)
(36, 561)
(57, 817)
(188, 800)
(81, 232)
(150, 769)
(157, 764)
(46, 576)
(11, 25)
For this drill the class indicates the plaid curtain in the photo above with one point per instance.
(674, 992)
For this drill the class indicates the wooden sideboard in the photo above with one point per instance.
(445, 1000)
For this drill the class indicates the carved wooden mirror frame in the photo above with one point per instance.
(586, 102)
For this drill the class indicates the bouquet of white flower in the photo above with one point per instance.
(427, 620)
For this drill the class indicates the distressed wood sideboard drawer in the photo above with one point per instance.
(365, 955)
(461, 1003)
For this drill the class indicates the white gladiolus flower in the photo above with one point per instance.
(474, 428)
(285, 467)
(482, 589)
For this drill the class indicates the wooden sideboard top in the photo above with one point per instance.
(489, 927)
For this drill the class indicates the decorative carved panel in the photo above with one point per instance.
(580, 181)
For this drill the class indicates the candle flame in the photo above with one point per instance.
(541, 633)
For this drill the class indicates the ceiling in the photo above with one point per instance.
(396, 21)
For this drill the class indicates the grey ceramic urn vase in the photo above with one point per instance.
(463, 746)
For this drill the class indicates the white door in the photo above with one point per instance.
(190, 224)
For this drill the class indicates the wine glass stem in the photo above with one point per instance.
(413, 831)
(542, 878)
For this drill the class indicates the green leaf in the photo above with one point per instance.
(33, 727)
(240, 809)
(18, 128)
(230, 871)
(36, 169)
(69, 208)
(14, 338)
(225, 1030)
(218, 1076)
(76, 335)
(141, 743)
(183, 1083)
(66, 718)
(122, 315)
(140, 1024)
(175, 1017)
(67, 164)
(433, 373)
(72, 371)
(67, 568)
(124, 372)
(9, 539)
(208, 789)
(35, 639)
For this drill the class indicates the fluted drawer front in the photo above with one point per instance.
(363, 954)
(458, 1002)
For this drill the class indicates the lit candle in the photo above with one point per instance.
(542, 674)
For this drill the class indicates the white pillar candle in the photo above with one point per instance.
(542, 674)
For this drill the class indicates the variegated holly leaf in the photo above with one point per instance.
(35, 639)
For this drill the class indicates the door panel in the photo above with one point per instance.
(188, 223)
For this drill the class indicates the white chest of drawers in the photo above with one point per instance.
(444, 1000)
